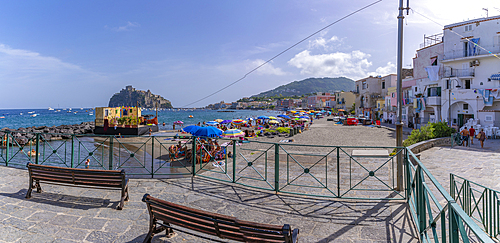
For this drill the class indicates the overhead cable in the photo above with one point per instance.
(279, 54)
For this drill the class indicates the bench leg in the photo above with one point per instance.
(38, 187)
(30, 188)
(123, 198)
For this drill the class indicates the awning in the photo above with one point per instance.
(495, 76)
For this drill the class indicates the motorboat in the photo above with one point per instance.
(190, 116)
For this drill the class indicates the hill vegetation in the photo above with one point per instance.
(308, 86)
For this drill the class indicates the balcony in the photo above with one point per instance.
(460, 53)
(434, 100)
(453, 72)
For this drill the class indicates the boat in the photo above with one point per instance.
(1, 117)
(190, 116)
(51, 109)
(34, 115)
(91, 114)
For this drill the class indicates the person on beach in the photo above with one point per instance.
(150, 132)
(465, 137)
(87, 164)
(472, 131)
(482, 137)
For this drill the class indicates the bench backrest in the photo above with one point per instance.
(216, 224)
(84, 177)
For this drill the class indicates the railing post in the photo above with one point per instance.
(37, 148)
(110, 153)
(276, 167)
(193, 155)
(421, 203)
(7, 149)
(234, 161)
(338, 172)
(152, 156)
(72, 150)
(453, 224)
(452, 186)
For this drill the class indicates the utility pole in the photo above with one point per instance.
(399, 124)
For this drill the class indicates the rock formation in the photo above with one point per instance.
(129, 96)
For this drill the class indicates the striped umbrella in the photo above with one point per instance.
(218, 120)
(273, 121)
(272, 118)
(238, 122)
(212, 123)
(233, 133)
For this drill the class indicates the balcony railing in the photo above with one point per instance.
(434, 100)
(479, 51)
(452, 72)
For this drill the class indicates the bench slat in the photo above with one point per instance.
(80, 173)
(215, 224)
(166, 214)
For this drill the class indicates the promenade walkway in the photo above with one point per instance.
(68, 214)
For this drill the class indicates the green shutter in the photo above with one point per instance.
(438, 91)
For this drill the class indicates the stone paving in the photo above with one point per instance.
(69, 214)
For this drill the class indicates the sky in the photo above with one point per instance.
(79, 53)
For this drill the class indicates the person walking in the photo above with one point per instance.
(465, 137)
(472, 132)
(482, 137)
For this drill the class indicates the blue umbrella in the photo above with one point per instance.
(250, 119)
(304, 117)
(208, 132)
(191, 129)
(284, 116)
(262, 117)
(226, 121)
(212, 123)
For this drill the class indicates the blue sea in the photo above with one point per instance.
(16, 118)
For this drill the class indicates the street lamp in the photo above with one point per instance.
(449, 99)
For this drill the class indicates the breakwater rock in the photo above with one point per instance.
(23, 136)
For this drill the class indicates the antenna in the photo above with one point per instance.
(485, 9)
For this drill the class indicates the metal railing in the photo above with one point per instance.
(459, 53)
(453, 72)
(480, 203)
(310, 170)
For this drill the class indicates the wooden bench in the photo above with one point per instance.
(222, 226)
(98, 179)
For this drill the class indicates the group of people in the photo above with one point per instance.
(470, 134)
(206, 150)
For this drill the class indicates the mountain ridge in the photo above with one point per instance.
(310, 85)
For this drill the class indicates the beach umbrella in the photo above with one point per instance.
(238, 122)
(208, 132)
(296, 119)
(273, 122)
(178, 122)
(250, 119)
(225, 122)
(191, 129)
(293, 111)
(284, 116)
(212, 123)
(219, 120)
(262, 117)
(272, 118)
(233, 133)
(305, 117)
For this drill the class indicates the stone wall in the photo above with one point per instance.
(424, 145)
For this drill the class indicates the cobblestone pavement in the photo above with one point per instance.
(479, 165)
(69, 214)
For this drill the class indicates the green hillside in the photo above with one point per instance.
(310, 85)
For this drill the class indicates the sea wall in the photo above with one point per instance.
(24, 135)
(424, 145)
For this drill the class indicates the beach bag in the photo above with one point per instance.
(478, 136)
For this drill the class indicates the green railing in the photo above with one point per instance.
(311, 170)
(436, 214)
(479, 202)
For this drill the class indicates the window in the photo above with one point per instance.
(106, 113)
(383, 85)
(364, 85)
(125, 112)
(416, 89)
(393, 95)
(467, 83)
(448, 84)
(434, 91)
(466, 106)
(468, 27)
(488, 118)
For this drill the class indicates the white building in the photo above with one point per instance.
(471, 68)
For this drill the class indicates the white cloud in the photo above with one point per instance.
(126, 27)
(335, 64)
(387, 69)
(267, 69)
(47, 80)
(326, 44)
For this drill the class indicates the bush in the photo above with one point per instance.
(283, 129)
(429, 131)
